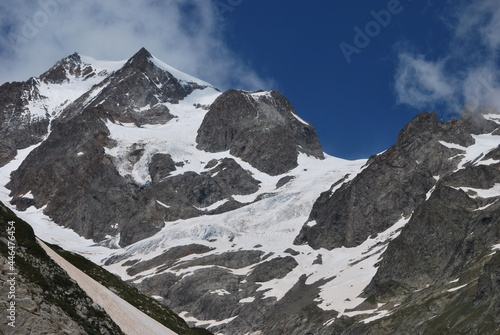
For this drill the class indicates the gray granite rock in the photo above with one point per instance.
(263, 130)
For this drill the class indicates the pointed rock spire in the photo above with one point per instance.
(141, 60)
(142, 54)
(69, 66)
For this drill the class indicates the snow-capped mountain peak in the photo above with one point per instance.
(224, 206)
(46, 96)
(80, 67)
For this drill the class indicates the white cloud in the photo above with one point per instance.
(480, 87)
(480, 19)
(187, 34)
(419, 82)
(467, 75)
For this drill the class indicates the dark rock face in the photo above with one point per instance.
(204, 298)
(167, 259)
(80, 185)
(489, 282)
(228, 295)
(260, 129)
(232, 260)
(71, 65)
(369, 204)
(236, 179)
(18, 129)
(216, 298)
(71, 174)
(394, 183)
(440, 271)
(136, 93)
(441, 268)
(457, 235)
(221, 296)
(162, 165)
(190, 193)
(276, 268)
(294, 314)
(73, 158)
(283, 181)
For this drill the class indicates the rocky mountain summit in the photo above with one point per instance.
(261, 128)
(223, 206)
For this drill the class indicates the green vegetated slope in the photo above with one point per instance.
(48, 300)
(45, 299)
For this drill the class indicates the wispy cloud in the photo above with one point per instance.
(187, 34)
(420, 82)
(467, 75)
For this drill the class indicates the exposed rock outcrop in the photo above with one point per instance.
(204, 191)
(393, 183)
(73, 176)
(260, 127)
(18, 128)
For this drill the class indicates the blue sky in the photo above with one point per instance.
(352, 105)
(357, 70)
(351, 97)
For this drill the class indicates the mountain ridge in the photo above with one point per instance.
(224, 206)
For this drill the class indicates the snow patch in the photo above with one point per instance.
(351, 270)
(428, 195)
(220, 292)
(483, 145)
(259, 95)
(213, 206)
(484, 207)
(204, 323)
(379, 315)
(311, 223)
(492, 117)
(162, 204)
(489, 161)
(481, 193)
(178, 74)
(457, 288)
(28, 195)
(177, 138)
(300, 119)
(453, 145)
